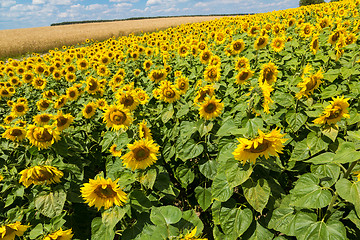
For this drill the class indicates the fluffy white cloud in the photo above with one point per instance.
(38, 1)
(123, 5)
(7, 3)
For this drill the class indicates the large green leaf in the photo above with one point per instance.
(235, 221)
(295, 120)
(236, 173)
(185, 175)
(257, 193)
(228, 128)
(220, 188)
(50, 204)
(346, 153)
(203, 196)
(261, 233)
(165, 215)
(100, 231)
(349, 191)
(315, 143)
(308, 194)
(191, 149)
(328, 173)
(332, 230)
(209, 169)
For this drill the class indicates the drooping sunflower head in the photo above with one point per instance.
(268, 73)
(142, 154)
(168, 92)
(128, 99)
(203, 92)
(38, 175)
(42, 137)
(242, 62)
(60, 235)
(15, 134)
(334, 112)
(117, 117)
(211, 108)
(60, 102)
(158, 75)
(243, 75)
(43, 104)
(113, 150)
(144, 131)
(263, 145)
(100, 192)
(92, 85)
(261, 42)
(9, 231)
(309, 84)
(314, 45)
(62, 121)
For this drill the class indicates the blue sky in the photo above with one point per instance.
(39, 13)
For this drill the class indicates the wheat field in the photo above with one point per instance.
(17, 42)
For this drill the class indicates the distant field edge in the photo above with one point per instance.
(138, 18)
(18, 43)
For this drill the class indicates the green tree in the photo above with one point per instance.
(309, 2)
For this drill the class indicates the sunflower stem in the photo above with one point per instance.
(334, 198)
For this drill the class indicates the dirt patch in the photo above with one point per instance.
(17, 42)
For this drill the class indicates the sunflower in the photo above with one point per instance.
(49, 94)
(183, 50)
(89, 110)
(92, 85)
(306, 30)
(102, 71)
(137, 72)
(242, 62)
(266, 91)
(28, 77)
(191, 236)
(60, 235)
(169, 92)
(72, 93)
(278, 44)
(42, 119)
(263, 145)
(314, 45)
(82, 64)
(309, 84)
(144, 131)
(39, 175)
(43, 104)
(117, 117)
(100, 192)
(205, 56)
(114, 152)
(42, 137)
(142, 96)
(19, 109)
(211, 108)
(268, 73)
(101, 103)
(158, 75)
(142, 154)
(9, 231)
(1, 177)
(212, 73)
(147, 64)
(201, 94)
(62, 121)
(334, 37)
(238, 46)
(215, 60)
(128, 99)
(182, 83)
(261, 42)
(15, 134)
(253, 31)
(243, 76)
(4, 92)
(70, 77)
(8, 119)
(334, 112)
(60, 102)
(39, 83)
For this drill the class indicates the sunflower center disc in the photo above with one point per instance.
(106, 192)
(141, 153)
(210, 108)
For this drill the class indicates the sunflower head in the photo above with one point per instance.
(243, 75)
(62, 121)
(15, 134)
(19, 109)
(142, 154)
(182, 83)
(334, 112)
(211, 108)
(212, 73)
(9, 231)
(261, 42)
(40, 175)
(89, 110)
(117, 117)
(100, 192)
(144, 131)
(42, 119)
(268, 73)
(42, 137)
(60, 235)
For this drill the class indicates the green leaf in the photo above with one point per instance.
(185, 175)
(332, 230)
(148, 179)
(257, 193)
(107, 140)
(112, 216)
(315, 143)
(354, 135)
(235, 221)
(203, 196)
(346, 153)
(236, 173)
(100, 230)
(295, 120)
(328, 173)
(283, 99)
(189, 221)
(220, 188)
(300, 152)
(139, 201)
(227, 128)
(165, 215)
(209, 169)
(167, 115)
(308, 194)
(331, 74)
(354, 218)
(261, 233)
(184, 109)
(322, 158)
(331, 132)
(50, 204)
(191, 149)
(330, 91)
(204, 129)
(252, 126)
(36, 231)
(350, 191)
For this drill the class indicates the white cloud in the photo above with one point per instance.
(38, 1)
(124, 1)
(123, 5)
(7, 3)
(152, 2)
(96, 7)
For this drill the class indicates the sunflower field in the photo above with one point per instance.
(238, 128)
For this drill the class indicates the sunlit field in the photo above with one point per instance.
(237, 128)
